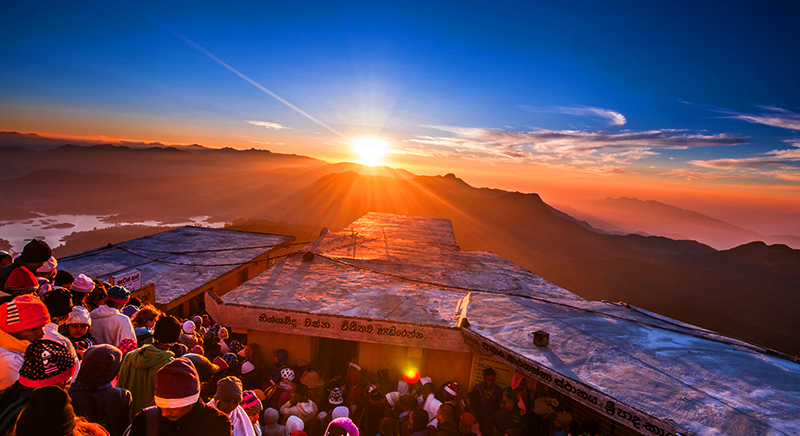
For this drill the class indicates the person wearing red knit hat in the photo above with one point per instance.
(179, 410)
(33, 256)
(22, 321)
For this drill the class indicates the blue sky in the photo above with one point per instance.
(694, 96)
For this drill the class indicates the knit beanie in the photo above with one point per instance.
(336, 396)
(251, 404)
(294, 423)
(119, 294)
(198, 350)
(129, 310)
(36, 251)
(79, 315)
(58, 302)
(298, 433)
(126, 345)
(82, 284)
(198, 322)
(46, 363)
(22, 313)
(229, 389)
(287, 374)
(100, 365)
(48, 266)
(167, 329)
(188, 327)
(204, 367)
(63, 278)
(247, 367)
(340, 412)
(344, 423)
(271, 416)
(49, 413)
(21, 281)
(452, 388)
(393, 398)
(177, 384)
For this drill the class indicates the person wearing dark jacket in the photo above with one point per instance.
(34, 255)
(280, 360)
(179, 410)
(372, 410)
(448, 421)
(94, 397)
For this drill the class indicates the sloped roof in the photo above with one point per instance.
(178, 261)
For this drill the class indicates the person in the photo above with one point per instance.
(279, 363)
(49, 413)
(429, 401)
(20, 282)
(109, 325)
(93, 395)
(143, 323)
(34, 255)
(371, 411)
(63, 279)
(46, 363)
(341, 427)
(223, 340)
(209, 372)
(419, 422)
(80, 288)
(47, 272)
(77, 329)
(22, 321)
(259, 377)
(97, 297)
(293, 424)
(188, 336)
(228, 399)
(490, 393)
(252, 407)
(271, 426)
(516, 398)
(300, 405)
(562, 423)
(139, 369)
(59, 306)
(448, 423)
(5, 258)
(179, 411)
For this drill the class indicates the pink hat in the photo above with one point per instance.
(177, 384)
(346, 424)
(127, 345)
(250, 400)
(82, 284)
(22, 313)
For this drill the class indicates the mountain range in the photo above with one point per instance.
(750, 291)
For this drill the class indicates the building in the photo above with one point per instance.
(174, 268)
(396, 292)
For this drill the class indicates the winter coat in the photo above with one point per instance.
(13, 400)
(105, 405)
(201, 420)
(305, 411)
(138, 374)
(111, 327)
(12, 353)
(448, 429)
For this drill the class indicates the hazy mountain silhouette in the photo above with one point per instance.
(750, 291)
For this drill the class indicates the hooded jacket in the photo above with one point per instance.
(111, 327)
(283, 357)
(138, 374)
(12, 353)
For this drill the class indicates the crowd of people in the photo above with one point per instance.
(79, 356)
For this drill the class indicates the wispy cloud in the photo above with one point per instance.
(781, 164)
(268, 125)
(768, 115)
(613, 117)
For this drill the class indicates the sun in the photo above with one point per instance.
(370, 150)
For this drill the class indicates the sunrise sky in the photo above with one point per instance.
(692, 103)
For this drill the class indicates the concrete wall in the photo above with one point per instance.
(299, 347)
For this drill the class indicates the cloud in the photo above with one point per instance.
(614, 118)
(769, 115)
(268, 125)
(788, 159)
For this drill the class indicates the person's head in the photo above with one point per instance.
(100, 365)
(223, 333)
(118, 297)
(177, 389)
(375, 396)
(450, 391)
(251, 405)
(24, 317)
(281, 357)
(146, 317)
(167, 330)
(489, 376)
(59, 305)
(5, 258)
(341, 427)
(78, 322)
(63, 279)
(294, 423)
(446, 413)
(46, 363)
(229, 394)
(474, 403)
(48, 271)
(35, 254)
(21, 282)
(340, 412)
(419, 419)
(271, 416)
(388, 427)
(49, 412)
(287, 375)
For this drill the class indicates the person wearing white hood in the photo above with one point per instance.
(294, 423)
(300, 405)
(109, 326)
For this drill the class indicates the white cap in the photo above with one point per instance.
(247, 367)
(188, 327)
